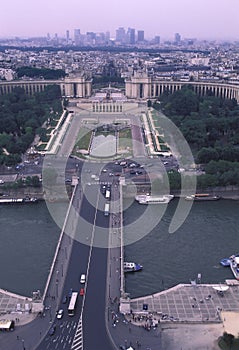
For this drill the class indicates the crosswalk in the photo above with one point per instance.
(77, 343)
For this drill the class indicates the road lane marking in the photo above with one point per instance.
(77, 343)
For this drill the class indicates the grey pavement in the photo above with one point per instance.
(187, 303)
(15, 307)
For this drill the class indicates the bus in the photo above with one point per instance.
(72, 304)
(107, 209)
(107, 194)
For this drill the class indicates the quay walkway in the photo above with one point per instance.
(185, 303)
(17, 307)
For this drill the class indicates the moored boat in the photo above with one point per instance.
(234, 264)
(132, 267)
(202, 197)
(18, 200)
(225, 262)
(30, 200)
(147, 199)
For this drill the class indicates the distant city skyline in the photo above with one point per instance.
(207, 19)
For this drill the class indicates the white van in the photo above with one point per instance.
(82, 278)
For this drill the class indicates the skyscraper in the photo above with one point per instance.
(67, 35)
(77, 36)
(177, 38)
(131, 36)
(140, 35)
(157, 40)
(121, 35)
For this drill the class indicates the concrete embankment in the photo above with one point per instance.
(228, 192)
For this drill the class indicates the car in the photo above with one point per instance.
(52, 330)
(64, 300)
(82, 291)
(60, 314)
(82, 278)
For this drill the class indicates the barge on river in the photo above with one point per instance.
(202, 197)
(18, 200)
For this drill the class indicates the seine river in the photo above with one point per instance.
(28, 237)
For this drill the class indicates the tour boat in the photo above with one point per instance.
(147, 199)
(132, 267)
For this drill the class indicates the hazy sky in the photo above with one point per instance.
(202, 19)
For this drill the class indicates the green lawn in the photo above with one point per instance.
(83, 140)
(125, 139)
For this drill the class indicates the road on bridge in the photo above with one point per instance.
(87, 328)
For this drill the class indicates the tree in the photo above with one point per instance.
(228, 338)
(149, 103)
(206, 154)
(36, 181)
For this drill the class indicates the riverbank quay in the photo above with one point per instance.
(18, 308)
(228, 192)
(185, 312)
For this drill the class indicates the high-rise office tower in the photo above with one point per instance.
(140, 35)
(77, 36)
(121, 35)
(107, 36)
(177, 38)
(131, 36)
(157, 39)
(67, 35)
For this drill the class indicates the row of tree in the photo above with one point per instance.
(227, 176)
(40, 73)
(209, 123)
(22, 117)
(211, 127)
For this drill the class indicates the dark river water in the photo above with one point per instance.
(210, 233)
(28, 237)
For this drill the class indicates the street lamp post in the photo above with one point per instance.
(50, 313)
(57, 272)
(56, 289)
